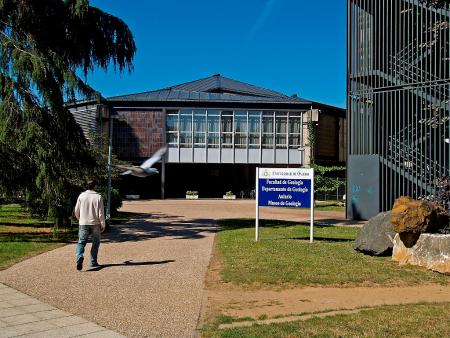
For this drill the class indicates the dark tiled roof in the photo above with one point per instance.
(212, 89)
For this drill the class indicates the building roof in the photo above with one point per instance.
(215, 88)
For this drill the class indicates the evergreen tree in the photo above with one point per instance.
(47, 49)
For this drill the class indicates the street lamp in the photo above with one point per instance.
(108, 203)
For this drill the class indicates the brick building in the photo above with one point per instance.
(218, 131)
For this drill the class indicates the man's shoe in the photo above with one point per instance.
(80, 263)
(95, 265)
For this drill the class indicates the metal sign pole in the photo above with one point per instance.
(257, 206)
(108, 202)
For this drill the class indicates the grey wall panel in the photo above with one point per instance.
(227, 155)
(240, 156)
(254, 156)
(200, 155)
(172, 156)
(214, 155)
(186, 155)
(86, 118)
(281, 156)
(268, 156)
(363, 193)
(296, 156)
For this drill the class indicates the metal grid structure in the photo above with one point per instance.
(398, 94)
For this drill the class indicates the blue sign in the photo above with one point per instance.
(288, 193)
(285, 187)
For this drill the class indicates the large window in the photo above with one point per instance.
(240, 129)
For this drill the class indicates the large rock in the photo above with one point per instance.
(416, 217)
(376, 236)
(431, 251)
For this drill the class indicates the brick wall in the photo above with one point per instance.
(327, 136)
(138, 134)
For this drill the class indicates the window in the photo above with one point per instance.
(254, 127)
(172, 128)
(240, 127)
(227, 129)
(172, 122)
(267, 130)
(185, 140)
(213, 128)
(186, 123)
(295, 130)
(200, 128)
(281, 130)
(185, 128)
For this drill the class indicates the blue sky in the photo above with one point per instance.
(292, 46)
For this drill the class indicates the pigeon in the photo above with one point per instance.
(145, 169)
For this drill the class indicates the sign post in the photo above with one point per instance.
(257, 207)
(285, 188)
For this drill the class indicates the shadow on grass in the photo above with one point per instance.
(231, 224)
(43, 224)
(322, 239)
(129, 263)
(40, 237)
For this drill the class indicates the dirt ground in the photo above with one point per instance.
(268, 303)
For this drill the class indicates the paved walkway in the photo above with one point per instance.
(24, 316)
(151, 279)
(150, 282)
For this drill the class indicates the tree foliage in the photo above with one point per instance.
(326, 178)
(47, 49)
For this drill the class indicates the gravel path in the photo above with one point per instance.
(150, 283)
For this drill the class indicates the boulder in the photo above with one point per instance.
(376, 236)
(417, 216)
(431, 251)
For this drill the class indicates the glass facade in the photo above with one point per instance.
(241, 129)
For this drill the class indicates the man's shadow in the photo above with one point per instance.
(129, 263)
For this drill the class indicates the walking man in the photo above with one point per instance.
(91, 219)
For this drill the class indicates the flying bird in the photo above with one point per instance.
(145, 169)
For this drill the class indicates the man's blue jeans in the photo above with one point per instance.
(83, 234)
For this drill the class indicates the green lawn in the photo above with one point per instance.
(23, 235)
(14, 252)
(329, 206)
(418, 320)
(284, 256)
